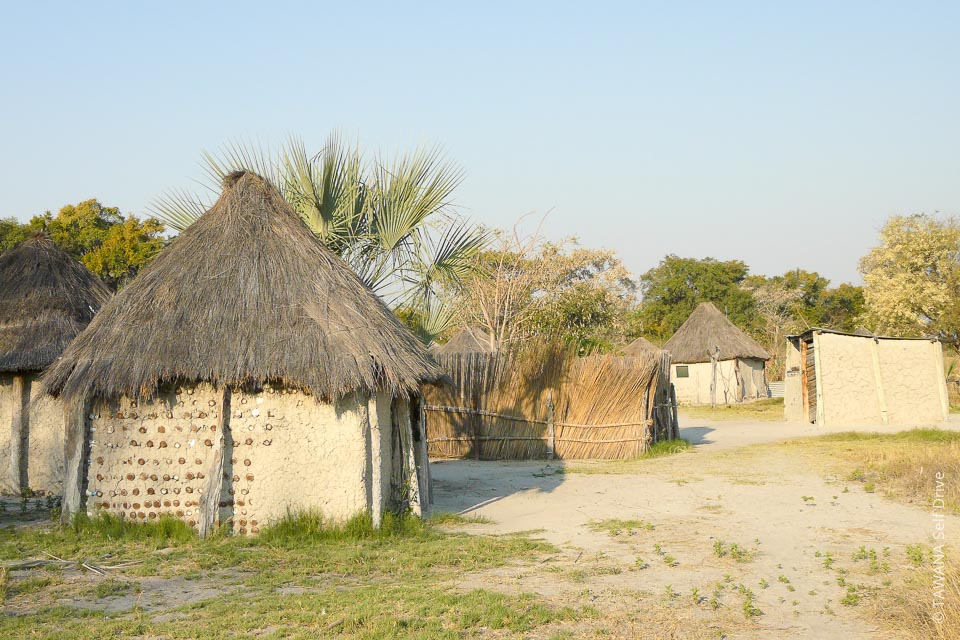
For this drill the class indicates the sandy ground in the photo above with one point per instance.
(785, 508)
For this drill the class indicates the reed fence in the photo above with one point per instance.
(550, 405)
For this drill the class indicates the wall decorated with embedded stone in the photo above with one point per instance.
(151, 458)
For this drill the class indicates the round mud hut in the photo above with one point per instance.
(708, 351)
(46, 299)
(245, 374)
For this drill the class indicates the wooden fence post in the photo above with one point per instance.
(476, 426)
(76, 451)
(673, 411)
(551, 427)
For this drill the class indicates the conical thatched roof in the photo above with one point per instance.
(46, 299)
(246, 295)
(706, 329)
(640, 346)
(469, 340)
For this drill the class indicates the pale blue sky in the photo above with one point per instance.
(781, 134)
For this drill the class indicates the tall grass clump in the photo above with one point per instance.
(301, 528)
(666, 448)
(166, 530)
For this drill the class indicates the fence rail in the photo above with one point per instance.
(551, 405)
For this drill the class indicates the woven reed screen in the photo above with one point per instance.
(550, 405)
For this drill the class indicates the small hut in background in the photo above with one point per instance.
(714, 361)
(46, 299)
(468, 340)
(245, 374)
(640, 346)
(836, 378)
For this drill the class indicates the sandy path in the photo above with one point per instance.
(752, 497)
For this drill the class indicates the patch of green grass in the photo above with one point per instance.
(111, 588)
(666, 448)
(734, 551)
(767, 409)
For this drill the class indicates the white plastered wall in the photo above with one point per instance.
(793, 385)
(695, 388)
(6, 418)
(45, 438)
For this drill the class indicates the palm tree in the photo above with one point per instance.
(391, 221)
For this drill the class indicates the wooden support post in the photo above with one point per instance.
(818, 374)
(75, 455)
(426, 485)
(675, 422)
(714, 358)
(551, 427)
(213, 485)
(410, 459)
(20, 434)
(878, 381)
(372, 439)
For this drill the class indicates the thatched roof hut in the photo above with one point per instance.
(246, 295)
(741, 363)
(705, 330)
(467, 340)
(46, 299)
(640, 346)
(248, 336)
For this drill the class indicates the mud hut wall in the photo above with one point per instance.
(45, 445)
(151, 458)
(695, 388)
(847, 380)
(793, 384)
(381, 428)
(913, 386)
(294, 453)
(753, 371)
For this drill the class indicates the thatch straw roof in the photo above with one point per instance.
(706, 329)
(469, 340)
(640, 346)
(46, 299)
(246, 295)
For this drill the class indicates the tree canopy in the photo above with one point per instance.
(113, 246)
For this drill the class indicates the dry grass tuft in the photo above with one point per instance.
(907, 606)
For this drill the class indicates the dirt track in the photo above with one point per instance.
(784, 508)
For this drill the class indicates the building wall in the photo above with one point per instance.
(152, 458)
(846, 380)
(45, 439)
(793, 384)
(695, 389)
(912, 381)
(283, 451)
(45, 449)
(910, 384)
(292, 453)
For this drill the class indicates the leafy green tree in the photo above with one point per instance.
(911, 281)
(125, 249)
(393, 222)
(12, 233)
(674, 288)
(112, 246)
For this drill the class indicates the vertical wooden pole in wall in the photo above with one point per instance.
(675, 423)
(818, 374)
(426, 486)
(878, 381)
(551, 427)
(213, 485)
(75, 455)
(373, 438)
(19, 433)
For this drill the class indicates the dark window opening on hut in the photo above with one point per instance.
(683, 371)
